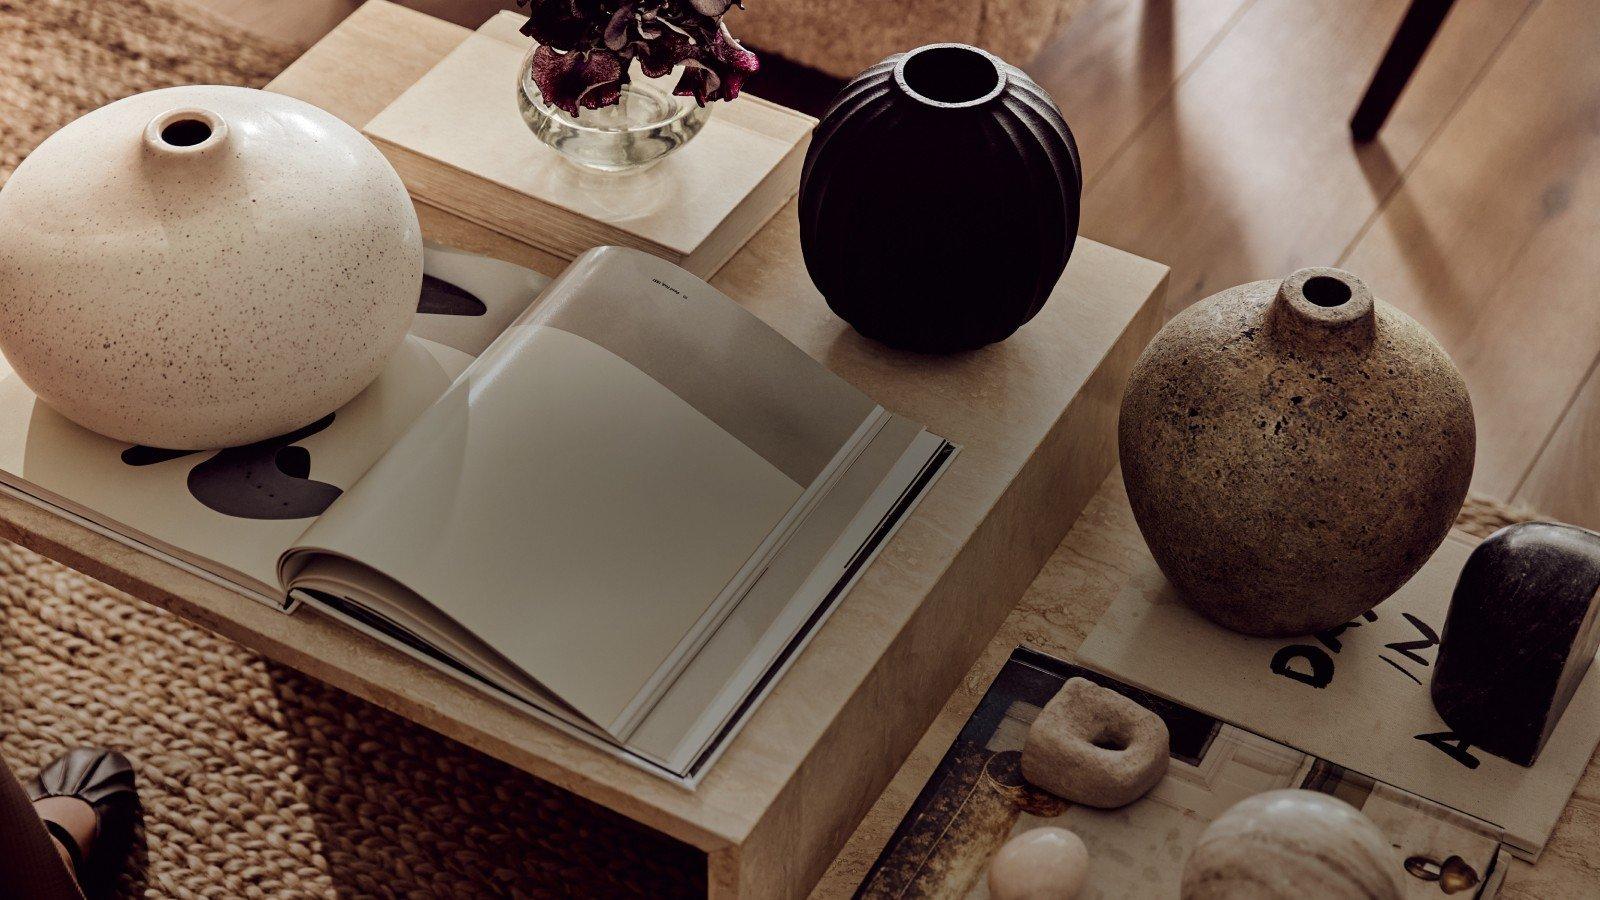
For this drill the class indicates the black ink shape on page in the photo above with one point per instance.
(1330, 637)
(1452, 745)
(1401, 669)
(441, 298)
(140, 455)
(1408, 649)
(1320, 665)
(269, 479)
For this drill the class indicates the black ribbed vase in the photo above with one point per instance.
(939, 201)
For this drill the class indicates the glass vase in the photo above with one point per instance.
(647, 122)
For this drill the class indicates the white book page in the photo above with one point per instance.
(231, 512)
(568, 509)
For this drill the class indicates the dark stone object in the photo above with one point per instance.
(939, 200)
(1520, 634)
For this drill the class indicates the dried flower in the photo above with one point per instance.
(587, 46)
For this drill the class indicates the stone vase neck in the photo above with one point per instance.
(1321, 303)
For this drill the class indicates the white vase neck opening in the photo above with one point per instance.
(185, 132)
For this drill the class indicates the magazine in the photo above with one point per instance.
(977, 799)
(617, 499)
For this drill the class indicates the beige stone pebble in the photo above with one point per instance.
(1042, 864)
(1091, 745)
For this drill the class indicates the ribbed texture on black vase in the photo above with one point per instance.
(937, 208)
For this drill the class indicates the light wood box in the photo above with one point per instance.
(1035, 415)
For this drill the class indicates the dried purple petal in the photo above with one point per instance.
(659, 57)
(650, 27)
(717, 73)
(558, 23)
(587, 46)
(569, 80)
(617, 29)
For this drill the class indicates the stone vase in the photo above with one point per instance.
(1294, 451)
(205, 266)
(939, 200)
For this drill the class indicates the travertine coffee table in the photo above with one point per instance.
(1036, 417)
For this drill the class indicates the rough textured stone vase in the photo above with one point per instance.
(204, 266)
(939, 200)
(1294, 451)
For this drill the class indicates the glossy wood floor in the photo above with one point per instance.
(1214, 139)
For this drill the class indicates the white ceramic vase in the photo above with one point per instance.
(205, 266)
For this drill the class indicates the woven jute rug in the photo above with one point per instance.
(256, 781)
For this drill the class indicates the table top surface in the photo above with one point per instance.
(998, 403)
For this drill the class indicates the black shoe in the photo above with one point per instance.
(104, 780)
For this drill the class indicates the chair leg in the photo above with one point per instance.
(1410, 42)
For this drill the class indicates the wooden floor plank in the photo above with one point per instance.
(1117, 61)
(1491, 244)
(1565, 480)
(1247, 169)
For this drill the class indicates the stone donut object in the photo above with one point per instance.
(1091, 745)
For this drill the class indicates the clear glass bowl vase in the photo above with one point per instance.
(645, 125)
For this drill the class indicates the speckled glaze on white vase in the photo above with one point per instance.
(204, 266)
(1292, 845)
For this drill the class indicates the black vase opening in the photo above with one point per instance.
(939, 200)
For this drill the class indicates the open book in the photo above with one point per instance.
(618, 500)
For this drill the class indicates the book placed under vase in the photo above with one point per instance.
(617, 501)
(460, 143)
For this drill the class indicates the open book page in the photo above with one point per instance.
(229, 514)
(747, 652)
(742, 658)
(598, 488)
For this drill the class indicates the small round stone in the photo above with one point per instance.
(1042, 864)
(1292, 845)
